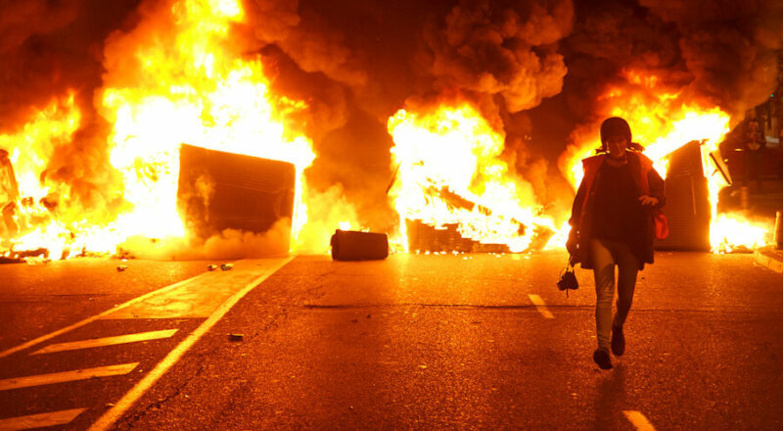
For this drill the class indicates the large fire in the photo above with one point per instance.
(190, 87)
(32, 147)
(181, 77)
(450, 171)
(663, 122)
(177, 78)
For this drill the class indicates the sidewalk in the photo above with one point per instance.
(771, 258)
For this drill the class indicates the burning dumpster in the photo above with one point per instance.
(687, 201)
(425, 238)
(219, 190)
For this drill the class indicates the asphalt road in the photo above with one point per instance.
(412, 342)
(38, 299)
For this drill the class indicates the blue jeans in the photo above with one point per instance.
(605, 255)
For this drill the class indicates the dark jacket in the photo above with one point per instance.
(647, 181)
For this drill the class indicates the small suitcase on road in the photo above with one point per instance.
(354, 245)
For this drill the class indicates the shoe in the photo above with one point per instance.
(603, 359)
(618, 340)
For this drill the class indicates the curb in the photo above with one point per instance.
(770, 259)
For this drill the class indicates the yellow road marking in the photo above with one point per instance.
(67, 376)
(541, 306)
(112, 415)
(638, 420)
(197, 299)
(91, 319)
(107, 341)
(40, 420)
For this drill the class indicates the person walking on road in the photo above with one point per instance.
(612, 225)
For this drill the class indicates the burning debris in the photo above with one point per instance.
(475, 99)
(452, 177)
(425, 238)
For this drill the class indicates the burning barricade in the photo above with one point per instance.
(104, 171)
(219, 190)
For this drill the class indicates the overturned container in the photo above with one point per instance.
(219, 190)
(687, 201)
(355, 245)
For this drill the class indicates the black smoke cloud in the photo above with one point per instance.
(502, 55)
(50, 47)
(32, 65)
(51, 50)
(732, 49)
(713, 52)
(510, 51)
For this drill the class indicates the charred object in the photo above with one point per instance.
(219, 190)
(687, 201)
(348, 245)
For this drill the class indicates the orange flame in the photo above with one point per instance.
(178, 77)
(31, 148)
(451, 172)
(663, 123)
(187, 90)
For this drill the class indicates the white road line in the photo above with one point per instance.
(638, 420)
(40, 420)
(66, 376)
(107, 341)
(97, 316)
(541, 306)
(125, 403)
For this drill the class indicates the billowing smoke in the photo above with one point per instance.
(52, 51)
(731, 49)
(709, 53)
(508, 50)
(505, 57)
(50, 47)
(33, 65)
(227, 245)
(717, 52)
(314, 45)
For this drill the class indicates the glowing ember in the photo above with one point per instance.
(732, 231)
(451, 172)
